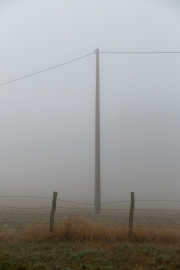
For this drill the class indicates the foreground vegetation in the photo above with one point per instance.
(80, 244)
(88, 255)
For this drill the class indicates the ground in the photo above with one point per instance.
(95, 255)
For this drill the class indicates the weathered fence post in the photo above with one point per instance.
(131, 214)
(53, 211)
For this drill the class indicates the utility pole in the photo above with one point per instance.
(97, 141)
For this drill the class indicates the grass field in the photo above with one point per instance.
(16, 217)
(83, 240)
(80, 244)
(95, 255)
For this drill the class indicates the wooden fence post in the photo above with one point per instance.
(53, 211)
(131, 214)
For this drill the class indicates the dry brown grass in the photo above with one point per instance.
(8, 235)
(157, 235)
(81, 229)
(77, 228)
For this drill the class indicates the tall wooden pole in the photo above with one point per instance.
(97, 140)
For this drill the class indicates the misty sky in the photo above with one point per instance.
(47, 121)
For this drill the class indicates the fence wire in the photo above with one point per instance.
(17, 216)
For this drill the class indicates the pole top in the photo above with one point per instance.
(96, 51)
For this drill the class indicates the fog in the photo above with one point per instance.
(47, 121)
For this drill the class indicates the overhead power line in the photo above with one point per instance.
(140, 52)
(44, 70)
(68, 62)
